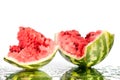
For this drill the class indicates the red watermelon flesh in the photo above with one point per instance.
(73, 43)
(32, 46)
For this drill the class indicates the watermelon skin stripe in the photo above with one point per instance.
(29, 75)
(105, 42)
(72, 60)
(34, 65)
(95, 52)
(77, 73)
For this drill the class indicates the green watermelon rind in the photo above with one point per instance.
(29, 75)
(32, 65)
(82, 74)
(105, 41)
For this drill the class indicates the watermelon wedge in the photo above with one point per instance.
(84, 51)
(34, 50)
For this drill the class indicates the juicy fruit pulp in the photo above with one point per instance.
(73, 43)
(82, 74)
(86, 51)
(33, 50)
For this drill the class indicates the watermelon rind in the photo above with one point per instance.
(29, 75)
(32, 65)
(94, 52)
(78, 73)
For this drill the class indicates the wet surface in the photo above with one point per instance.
(56, 71)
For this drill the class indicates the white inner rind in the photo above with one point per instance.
(33, 62)
(97, 37)
(70, 55)
(85, 48)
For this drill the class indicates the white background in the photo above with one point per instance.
(52, 16)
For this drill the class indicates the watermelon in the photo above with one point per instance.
(78, 73)
(34, 50)
(29, 75)
(84, 51)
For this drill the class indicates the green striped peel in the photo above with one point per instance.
(31, 65)
(29, 75)
(82, 74)
(94, 52)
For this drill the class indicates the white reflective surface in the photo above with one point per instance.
(52, 16)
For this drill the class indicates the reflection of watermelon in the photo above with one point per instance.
(86, 51)
(82, 74)
(29, 75)
(33, 50)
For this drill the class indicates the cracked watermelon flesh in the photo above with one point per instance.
(82, 74)
(34, 50)
(84, 51)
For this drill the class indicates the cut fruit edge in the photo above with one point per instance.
(28, 64)
(89, 44)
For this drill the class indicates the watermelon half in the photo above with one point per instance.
(84, 51)
(34, 50)
(29, 75)
(77, 73)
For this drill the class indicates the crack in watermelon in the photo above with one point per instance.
(32, 46)
(72, 42)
